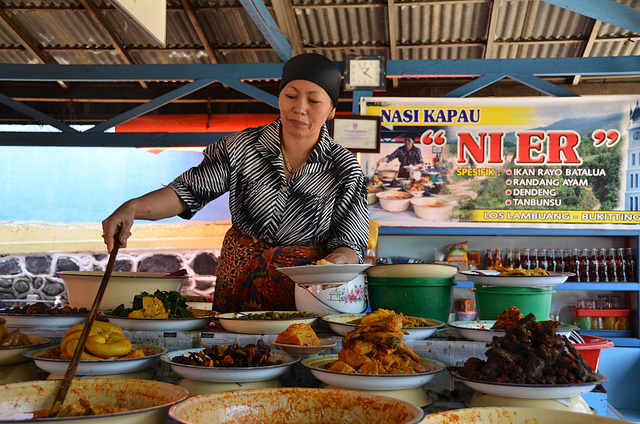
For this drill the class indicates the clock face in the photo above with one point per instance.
(365, 73)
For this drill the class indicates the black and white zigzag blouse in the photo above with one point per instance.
(324, 201)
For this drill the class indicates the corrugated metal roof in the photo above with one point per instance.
(64, 32)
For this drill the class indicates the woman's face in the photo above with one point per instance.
(304, 108)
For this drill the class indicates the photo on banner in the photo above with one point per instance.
(508, 162)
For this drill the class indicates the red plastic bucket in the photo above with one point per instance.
(591, 349)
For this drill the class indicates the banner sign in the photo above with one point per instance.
(506, 161)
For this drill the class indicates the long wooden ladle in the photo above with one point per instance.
(93, 313)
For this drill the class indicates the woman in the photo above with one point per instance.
(408, 154)
(295, 195)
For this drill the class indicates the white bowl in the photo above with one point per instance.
(347, 297)
(295, 405)
(147, 401)
(432, 209)
(509, 415)
(387, 174)
(233, 323)
(394, 201)
(388, 187)
(82, 287)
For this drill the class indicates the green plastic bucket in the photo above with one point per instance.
(418, 297)
(492, 300)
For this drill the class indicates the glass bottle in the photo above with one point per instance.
(559, 260)
(517, 259)
(551, 260)
(583, 266)
(602, 265)
(611, 265)
(593, 265)
(508, 259)
(542, 259)
(488, 259)
(497, 259)
(630, 265)
(620, 275)
(574, 259)
(525, 261)
(533, 259)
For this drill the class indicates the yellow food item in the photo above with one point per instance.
(152, 307)
(299, 334)
(522, 271)
(323, 262)
(105, 341)
(376, 347)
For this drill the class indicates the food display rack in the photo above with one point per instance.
(445, 346)
(396, 241)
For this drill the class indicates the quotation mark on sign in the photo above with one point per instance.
(433, 137)
(610, 137)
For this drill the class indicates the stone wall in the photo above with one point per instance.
(25, 274)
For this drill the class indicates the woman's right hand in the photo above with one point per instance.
(120, 223)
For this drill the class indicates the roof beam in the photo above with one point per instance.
(393, 41)
(35, 114)
(77, 139)
(593, 34)
(545, 67)
(608, 11)
(197, 27)
(26, 42)
(265, 23)
(491, 28)
(286, 19)
(152, 105)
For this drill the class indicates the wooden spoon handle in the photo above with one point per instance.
(86, 330)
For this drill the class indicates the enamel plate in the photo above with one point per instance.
(481, 331)
(323, 274)
(530, 391)
(317, 366)
(98, 367)
(339, 323)
(493, 278)
(234, 323)
(230, 374)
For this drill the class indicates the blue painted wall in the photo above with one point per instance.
(85, 184)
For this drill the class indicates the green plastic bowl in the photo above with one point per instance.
(417, 297)
(491, 301)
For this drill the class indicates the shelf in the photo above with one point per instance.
(473, 229)
(466, 284)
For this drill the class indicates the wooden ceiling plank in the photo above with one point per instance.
(591, 39)
(491, 28)
(286, 20)
(197, 27)
(393, 38)
(26, 42)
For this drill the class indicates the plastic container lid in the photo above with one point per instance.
(410, 282)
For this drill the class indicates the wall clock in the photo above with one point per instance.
(365, 73)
